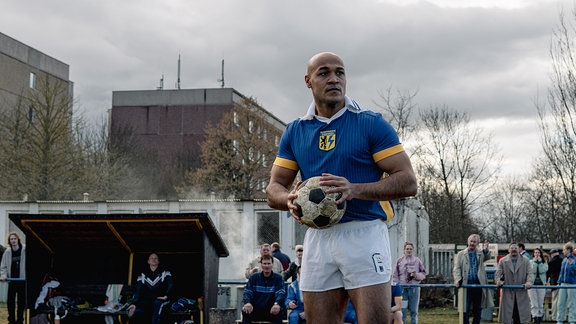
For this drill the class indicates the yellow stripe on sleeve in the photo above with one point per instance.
(285, 163)
(388, 210)
(387, 152)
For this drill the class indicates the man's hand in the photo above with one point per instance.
(303, 316)
(291, 206)
(275, 309)
(527, 285)
(247, 308)
(292, 304)
(131, 310)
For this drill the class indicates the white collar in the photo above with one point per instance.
(349, 104)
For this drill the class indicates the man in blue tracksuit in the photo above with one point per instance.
(264, 295)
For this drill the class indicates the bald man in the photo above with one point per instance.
(352, 149)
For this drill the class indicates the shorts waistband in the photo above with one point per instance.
(350, 225)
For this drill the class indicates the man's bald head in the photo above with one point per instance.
(319, 59)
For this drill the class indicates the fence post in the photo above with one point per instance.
(461, 304)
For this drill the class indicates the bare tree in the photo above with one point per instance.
(458, 163)
(39, 155)
(398, 108)
(557, 121)
(109, 171)
(507, 213)
(236, 155)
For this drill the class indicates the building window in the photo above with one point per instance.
(31, 114)
(32, 83)
(299, 231)
(268, 227)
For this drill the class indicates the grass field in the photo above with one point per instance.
(425, 316)
(438, 316)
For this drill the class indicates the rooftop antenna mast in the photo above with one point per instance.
(178, 81)
(161, 87)
(221, 80)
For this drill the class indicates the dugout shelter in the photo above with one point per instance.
(113, 249)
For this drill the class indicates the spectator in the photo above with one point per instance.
(294, 265)
(397, 312)
(13, 266)
(514, 269)
(409, 270)
(553, 273)
(254, 265)
(523, 252)
(284, 259)
(469, 269)
(295, 302)
(350, 315)
(567, 297)
(264, 295)
(539, 269)
(151, 294)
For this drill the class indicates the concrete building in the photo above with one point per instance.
(172, 122)
(23, 68)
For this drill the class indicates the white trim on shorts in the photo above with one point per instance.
(349, 255)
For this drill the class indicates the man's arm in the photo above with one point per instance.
(457, 271)
(400, 182)
(397, 304)
(278, 190)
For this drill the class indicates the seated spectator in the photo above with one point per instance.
(294, 265)
(151, 293)
(350, 315)
(264, 295)
(284, 259)
(396, 310)
(295, 303)
(254, 265)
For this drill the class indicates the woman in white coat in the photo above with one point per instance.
(539, 268)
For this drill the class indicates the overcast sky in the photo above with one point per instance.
(489, 58)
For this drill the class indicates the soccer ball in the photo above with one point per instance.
(316, 208)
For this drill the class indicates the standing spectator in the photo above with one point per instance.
(350, 148)
(284, 259)
(514, 269)
(553, 273)
(539, 269)
(522, 251)
(295, 302)
(255, 265)
(567, 297)
(294, 265)
(264, 295)
(13, 266)
(469, 269)
(409, 270)
(151, 294)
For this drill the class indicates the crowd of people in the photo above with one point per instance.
(524, 278)
(273, 296)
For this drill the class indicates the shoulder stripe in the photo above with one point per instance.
(387, 152)
(285, 163)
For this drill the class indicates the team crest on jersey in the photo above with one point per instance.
(327, 140)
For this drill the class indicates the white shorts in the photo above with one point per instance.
(350, 255)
